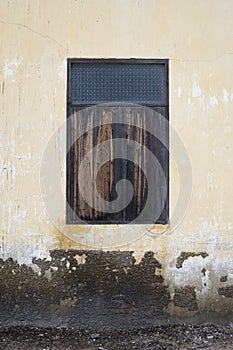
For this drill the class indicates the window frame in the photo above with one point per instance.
(156, 61)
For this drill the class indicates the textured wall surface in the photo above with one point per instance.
(182, 270)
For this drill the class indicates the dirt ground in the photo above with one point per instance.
(164, 337)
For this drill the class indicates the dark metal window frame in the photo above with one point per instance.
(70, 61)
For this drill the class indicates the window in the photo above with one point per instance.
(115, 104)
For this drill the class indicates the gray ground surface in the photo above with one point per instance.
(170, 337)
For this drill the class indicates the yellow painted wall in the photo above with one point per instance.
(37, 37)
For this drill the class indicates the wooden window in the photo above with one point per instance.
(119, 94)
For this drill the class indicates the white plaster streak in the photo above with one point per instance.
(210, 180)
(196, 91)
(225, 95)
(179, 91)
(227, 129)
(213, 101)
(13, 173)
(21, 215)
(7, 71)
(61, 70)
(205, 134)
(9, 67)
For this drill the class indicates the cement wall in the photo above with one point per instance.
(181, 270)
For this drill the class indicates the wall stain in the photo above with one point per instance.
(185, 255)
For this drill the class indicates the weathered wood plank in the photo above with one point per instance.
(139, 171)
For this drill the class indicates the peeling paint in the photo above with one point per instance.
(185, 255)
(179, 91)
(226, 291)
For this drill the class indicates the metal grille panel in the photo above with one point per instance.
(94, 83)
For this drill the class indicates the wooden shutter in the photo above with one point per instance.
(134, 127)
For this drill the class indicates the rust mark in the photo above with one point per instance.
(185, 255)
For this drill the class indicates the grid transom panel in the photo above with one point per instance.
(94, 83)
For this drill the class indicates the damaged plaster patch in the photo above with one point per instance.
(185, 255)
(226, 291)
(85, 283)
(185, 297)
(223, 279)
